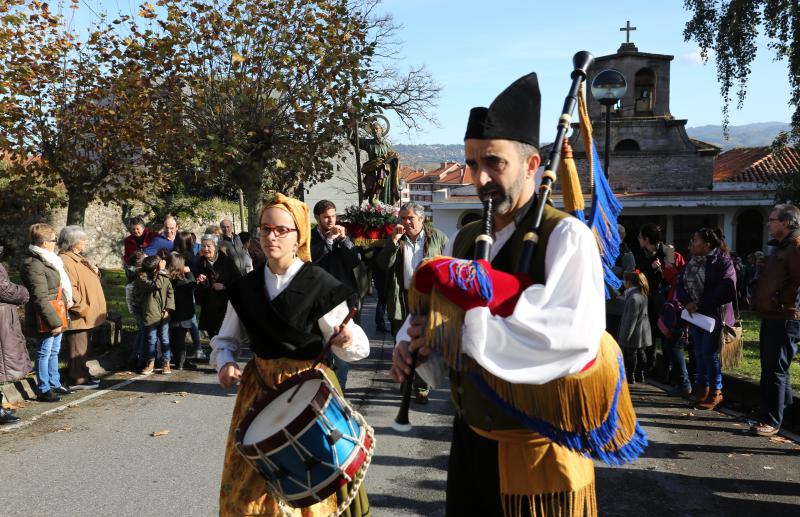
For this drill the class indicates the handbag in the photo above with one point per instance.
(731, 341)
(61, 309)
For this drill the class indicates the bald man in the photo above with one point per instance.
(165, 239)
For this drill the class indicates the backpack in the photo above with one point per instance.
(669, 318)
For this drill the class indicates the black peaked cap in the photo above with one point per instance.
(513, 115)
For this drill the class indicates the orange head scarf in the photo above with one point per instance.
(300, 213)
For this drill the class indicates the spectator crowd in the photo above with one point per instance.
(680, 304)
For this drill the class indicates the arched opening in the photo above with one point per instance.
(644, 91)
(749, 232)
(627, 145)
(469, 217)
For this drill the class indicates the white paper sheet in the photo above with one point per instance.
(702, 321)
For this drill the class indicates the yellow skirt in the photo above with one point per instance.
(243, 490)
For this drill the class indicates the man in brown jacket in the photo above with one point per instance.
(775, 300)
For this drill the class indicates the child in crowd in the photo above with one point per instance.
(156, 300)
(183, 284)
(131, 273)
(634, 329)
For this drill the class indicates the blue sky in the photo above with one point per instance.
(474, 49)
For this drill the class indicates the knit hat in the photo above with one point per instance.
(513, 115)
(300, 213)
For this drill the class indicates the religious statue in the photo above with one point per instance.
(380, 172)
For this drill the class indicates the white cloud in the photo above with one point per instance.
(695, 58)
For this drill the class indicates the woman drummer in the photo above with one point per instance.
(286, 310)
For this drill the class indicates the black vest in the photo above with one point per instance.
(287, 325)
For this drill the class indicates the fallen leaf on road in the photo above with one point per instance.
(691, 414)
(156, 434)
(13, 405)
(779, 439)
(730, 455)
(64, 430)
(176, 401)
(177, 393)
(745, 454)
(674, 432)
(768, 468)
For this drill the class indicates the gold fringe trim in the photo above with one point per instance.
(581, 401)
(577, 403)
(578, 503)
(730, 354)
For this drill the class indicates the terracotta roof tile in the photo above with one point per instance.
(755, 165)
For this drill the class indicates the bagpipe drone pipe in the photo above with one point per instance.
(589, 412)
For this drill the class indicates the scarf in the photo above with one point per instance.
(56, 263)
(300, 213)
(694, 276)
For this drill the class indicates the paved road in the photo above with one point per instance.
(98, 457)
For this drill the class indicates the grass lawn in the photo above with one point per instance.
(751, 365)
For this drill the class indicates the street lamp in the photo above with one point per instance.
(608, 87)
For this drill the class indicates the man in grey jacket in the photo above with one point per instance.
(412, 241)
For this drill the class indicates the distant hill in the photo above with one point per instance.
(747, 135)
(429, 156)
(759, 134)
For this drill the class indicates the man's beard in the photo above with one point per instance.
(503, 201)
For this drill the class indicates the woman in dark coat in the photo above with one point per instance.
(14, 360)
(44, 275)
(708, 287)
(214, 276)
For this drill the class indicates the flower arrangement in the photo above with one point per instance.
(371, 216)
(370, 221)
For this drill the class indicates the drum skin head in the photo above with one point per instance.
(308, 448)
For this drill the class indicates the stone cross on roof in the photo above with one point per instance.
(627, 30)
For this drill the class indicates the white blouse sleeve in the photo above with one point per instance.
(556, 327)
(360, 347)
(225, 345)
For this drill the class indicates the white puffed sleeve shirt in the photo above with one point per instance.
(555, 328)
(232, 333)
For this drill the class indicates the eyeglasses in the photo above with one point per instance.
(279, 231)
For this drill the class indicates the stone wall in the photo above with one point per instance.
(104, 227)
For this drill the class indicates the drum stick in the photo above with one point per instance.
(326, 348)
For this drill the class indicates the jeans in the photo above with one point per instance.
(195, 332)
(156, 333)
(706, 355)
(47, 363)
(673, 348)
(777, 350)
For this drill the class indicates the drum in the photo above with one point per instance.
(307, 448)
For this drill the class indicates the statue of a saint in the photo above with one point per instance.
(380, 172)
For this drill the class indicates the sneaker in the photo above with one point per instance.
(762, 429)
(62, 390)
(7, 417)
(166, 369)
(680, 391)
(149, 367)
(48, 396)
(88, 385)
(200, 355)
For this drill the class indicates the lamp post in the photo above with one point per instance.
(608, 87)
